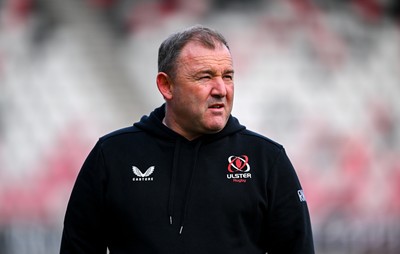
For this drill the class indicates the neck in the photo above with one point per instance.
(178, 130)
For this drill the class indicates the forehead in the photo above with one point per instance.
(194, 54)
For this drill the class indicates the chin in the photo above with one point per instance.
(216, 124)
(216, 128)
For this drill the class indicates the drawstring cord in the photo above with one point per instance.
(173, 184)
(173, 181)
(189, 188)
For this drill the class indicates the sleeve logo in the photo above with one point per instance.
(238, 168)
(301, 195)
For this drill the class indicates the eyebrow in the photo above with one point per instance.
(229, 71)
(211, 72)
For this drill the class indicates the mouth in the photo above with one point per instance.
(216, 106)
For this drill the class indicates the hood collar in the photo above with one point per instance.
(153, 125)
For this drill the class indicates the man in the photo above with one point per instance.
(188, 178)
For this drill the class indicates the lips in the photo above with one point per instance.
(217, 106)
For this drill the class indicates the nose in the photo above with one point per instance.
(219, 88)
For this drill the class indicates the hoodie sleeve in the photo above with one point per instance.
(288, 227)
(84, 231)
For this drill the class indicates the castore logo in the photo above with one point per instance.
(143, 176)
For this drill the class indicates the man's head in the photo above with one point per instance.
(196, 79)
(171, 48)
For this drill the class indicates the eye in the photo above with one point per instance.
(228, 77)
(206, 77)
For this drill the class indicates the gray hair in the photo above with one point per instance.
(171, 47)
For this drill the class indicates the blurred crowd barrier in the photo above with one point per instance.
(320, 77)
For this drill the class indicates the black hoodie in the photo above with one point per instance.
(146, 189)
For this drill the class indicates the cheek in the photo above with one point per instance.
(198, 95)
(230, 92)
(191, 103)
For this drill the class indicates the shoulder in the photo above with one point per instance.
(120, 134)
(258, 138)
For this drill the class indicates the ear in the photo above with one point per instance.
(164, 85)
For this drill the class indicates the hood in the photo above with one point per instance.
(153, 125)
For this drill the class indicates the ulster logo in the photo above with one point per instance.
(238, 164)
(238, 168)
(143, 176)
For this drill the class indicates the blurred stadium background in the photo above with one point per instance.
(320, 77)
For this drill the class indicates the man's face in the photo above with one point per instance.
(202, 91)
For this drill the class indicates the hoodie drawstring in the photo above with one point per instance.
(188, 186)
(173, 181)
